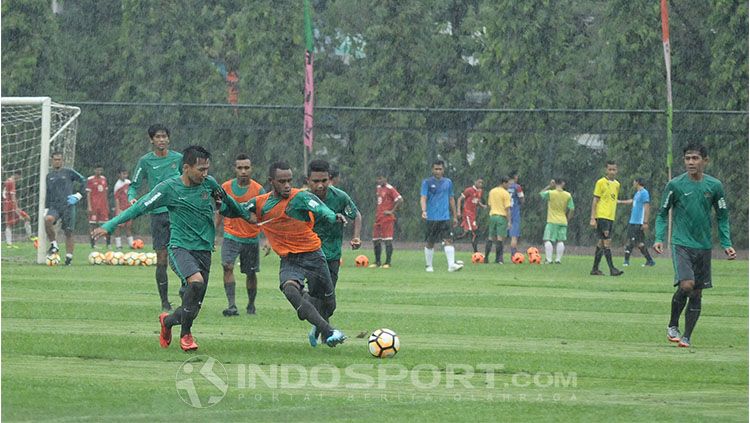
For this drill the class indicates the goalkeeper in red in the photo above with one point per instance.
(191, 200)
(691, 196)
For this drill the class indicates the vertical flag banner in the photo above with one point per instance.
(309, 84)
(668, 64)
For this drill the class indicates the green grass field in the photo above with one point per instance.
(490, 343)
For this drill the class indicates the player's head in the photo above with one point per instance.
(318, 177)
(122, 173)
(438, 168)
(381, 179)
(57, 160)
(479, 183)
(611, 169)
(16, 175)
(335, 176)
(639, 182)
(695, 157)
(280, 177)
(243, 166)
(513, 175)
(559, 183)
(98, 169)
(195, 163)
(159, 135)
(505, 181)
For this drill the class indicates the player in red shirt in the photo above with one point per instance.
(471, 198)
(385, 217)
(122, 204)
(12, 214)
(98, 205)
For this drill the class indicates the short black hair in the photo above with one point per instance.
(611, 162)
(153, 129)
(281, 165)
(694, 146)
(242, 156)
(122, 169)
(504, 179)
(438, 162)
(319, 165)
(559, 181)
(334, 173)
(96, 166)
(513, 173)
(640, 181)
(56, 153)
(191, 154)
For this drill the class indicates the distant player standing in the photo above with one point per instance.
(241, 238)
(499, 202)
(438, 206)
(638, 223)
(191, 200)
(389, 200)
(121, 204)
(96, 200)
(603, 209)
(154, 167)
(560, 209)
(12, 213)
(516, 196)
(470, 199)
(691, 196)
(64, 186)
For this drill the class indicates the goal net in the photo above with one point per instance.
(32, 128)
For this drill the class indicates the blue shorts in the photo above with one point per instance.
(515, 228)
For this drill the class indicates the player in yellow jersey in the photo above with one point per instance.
(603, 209)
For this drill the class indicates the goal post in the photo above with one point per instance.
(33, 127)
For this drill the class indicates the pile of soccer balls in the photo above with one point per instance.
(118, 258)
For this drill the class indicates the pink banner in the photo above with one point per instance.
(309, 90)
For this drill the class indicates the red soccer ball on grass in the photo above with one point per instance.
(477, 258)
(361, 261)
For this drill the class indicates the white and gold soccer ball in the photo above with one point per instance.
(116, 258)
(53, 259)
(96, 258)
(149, 259)
(383, 343)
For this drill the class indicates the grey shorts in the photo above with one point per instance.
(692, 264)
(160, 230)
(186, 263)
(310, 266)
(67, 213)
(248, 253)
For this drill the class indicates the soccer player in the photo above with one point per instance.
(603, 209)
(191, 200)
(638, 222)
(516, 198)
(691, 196)
(12, 213)
(501, 221)
(287, 215)
(62, 197)
(389, 200)
(97, 202)
(331, 234)
(121, 204)
(335, 177)
(154, 167)
(470, 199)
(560, 209)
(439, 211)
(241, 238)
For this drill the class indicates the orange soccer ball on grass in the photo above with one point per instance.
(138, 244)
(531, 251)
(477, 258)
(518, 258)
(361, 261)
(535, 259)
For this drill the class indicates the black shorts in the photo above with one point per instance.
(248, 253)
(635, 234)
(309, 266)
(438, 231)
(604, 228)
(692, 264)
(333, 269)
(66, 213)
(160, 230)
(186, 263)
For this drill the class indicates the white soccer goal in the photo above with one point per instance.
(32, 127)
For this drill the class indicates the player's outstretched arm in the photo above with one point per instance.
(356, 242)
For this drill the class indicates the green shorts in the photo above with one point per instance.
(498, 227)
(555, 232)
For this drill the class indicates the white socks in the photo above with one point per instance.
(428, 253)
(8, 235)
(450, 254)
(560, 250)
(130, 241)
(27, 227)
(118, 242)
(548, 251)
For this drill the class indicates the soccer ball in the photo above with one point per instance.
(108, 257)
(53, 259)
(150, 259)
(133, 259)
(535, 259)
(361, 261)
(138, 244)
(532, 251)
(145, 259)
(96, 257)
(116, 258)
(383, 343)
(477, 258)
(518, 258)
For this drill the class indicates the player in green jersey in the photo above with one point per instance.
(691, 196)
(191, 201)
(153, 168)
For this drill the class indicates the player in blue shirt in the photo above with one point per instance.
(439, 211)
(638, 223)
(516, 197)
